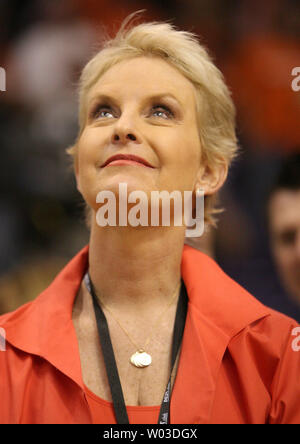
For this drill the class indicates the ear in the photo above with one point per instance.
(211, 179)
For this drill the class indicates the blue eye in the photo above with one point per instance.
(105, 114)
(162, 111)
(102, 112)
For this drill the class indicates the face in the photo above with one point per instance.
(284, 216)
(141, 107)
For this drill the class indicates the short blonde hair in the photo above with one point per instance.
(182, 50)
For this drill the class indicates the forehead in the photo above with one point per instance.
(145, 76)
(284, 209)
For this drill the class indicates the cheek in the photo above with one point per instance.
(188, 157)
(183, 148)
(89, 153)
(181, 158)
(87, 158)
(193, 150)
(190, 143)
(91, 142)
(86, 142)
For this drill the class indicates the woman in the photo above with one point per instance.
(138, 327)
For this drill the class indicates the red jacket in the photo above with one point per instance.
(239, 361)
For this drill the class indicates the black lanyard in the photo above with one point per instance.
(110, 362)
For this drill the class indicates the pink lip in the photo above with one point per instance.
(126, 159)
(125, 162)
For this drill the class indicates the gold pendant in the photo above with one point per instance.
(141, 359)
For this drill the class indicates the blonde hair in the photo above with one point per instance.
(182, 50)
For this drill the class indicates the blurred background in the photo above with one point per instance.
(44, 44)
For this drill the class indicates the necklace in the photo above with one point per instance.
(110, 362)
(140, 358)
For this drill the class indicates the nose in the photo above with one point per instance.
(125, 131)
(118, 136)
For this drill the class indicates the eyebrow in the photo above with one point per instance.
(165, 96)
(99, 98)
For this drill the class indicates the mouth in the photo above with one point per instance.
(126, 159)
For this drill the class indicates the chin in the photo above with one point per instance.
(132, 184)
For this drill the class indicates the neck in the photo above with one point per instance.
(135, 266)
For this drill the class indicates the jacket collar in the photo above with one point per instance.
(218, 309)
(44, 326)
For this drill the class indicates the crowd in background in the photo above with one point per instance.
(43, 46)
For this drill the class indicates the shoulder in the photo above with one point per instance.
(34, 325)
(270, 337)
(265, 335)
(221, 300)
